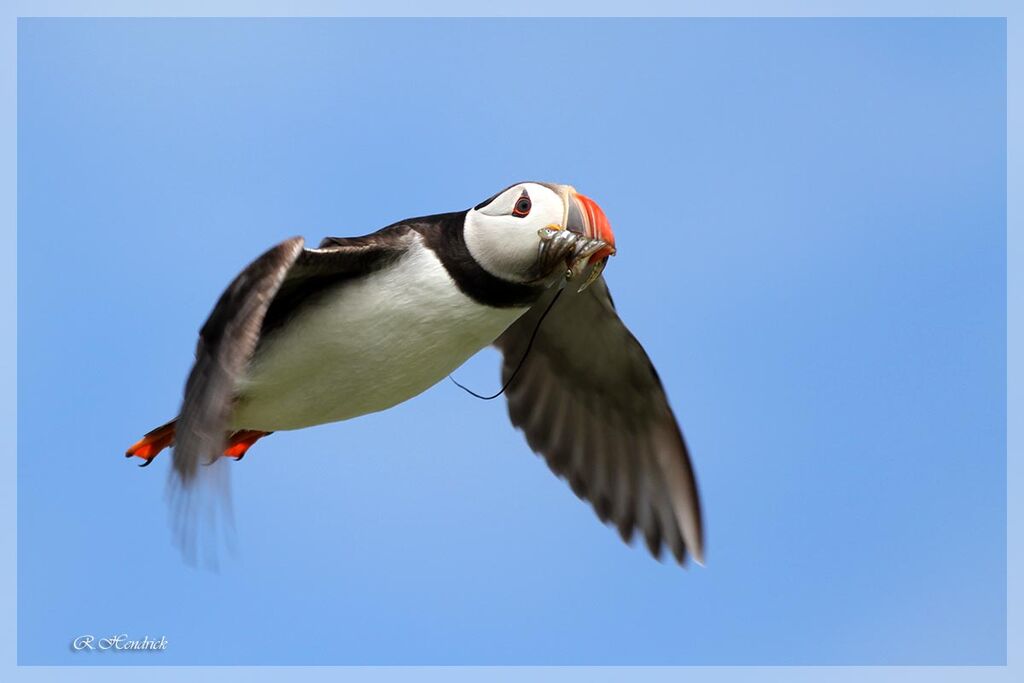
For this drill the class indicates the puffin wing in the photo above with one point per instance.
(588, 399)
(261, 298)
(201, 499)
(226, 343)
(263, 294)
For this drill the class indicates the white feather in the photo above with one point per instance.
(375, 342)
(505, 245)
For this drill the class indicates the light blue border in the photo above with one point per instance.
(8, 344)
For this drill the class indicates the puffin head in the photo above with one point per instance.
(504, 233)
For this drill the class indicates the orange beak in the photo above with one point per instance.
(586, 218)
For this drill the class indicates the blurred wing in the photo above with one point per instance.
(201, 499)
(588, 399)
(226, 343)
(265, 293)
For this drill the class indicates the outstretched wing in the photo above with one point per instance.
(588, 399)
(261, 298)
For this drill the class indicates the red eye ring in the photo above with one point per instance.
(522, 207)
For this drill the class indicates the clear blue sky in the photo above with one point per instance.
(811, 228)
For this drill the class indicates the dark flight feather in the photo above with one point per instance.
(588, 399)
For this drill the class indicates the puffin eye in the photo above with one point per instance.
(522, 207)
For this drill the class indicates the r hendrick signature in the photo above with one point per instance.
(118, 642)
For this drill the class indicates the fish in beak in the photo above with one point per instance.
(582, 243)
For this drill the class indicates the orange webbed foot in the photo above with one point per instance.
(240, 442)
(152, 443)
(160, 438)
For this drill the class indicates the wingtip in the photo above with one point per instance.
(693, 536)
(695, 545)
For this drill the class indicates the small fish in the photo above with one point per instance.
(580, 253)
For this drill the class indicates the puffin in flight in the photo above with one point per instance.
(303, 337)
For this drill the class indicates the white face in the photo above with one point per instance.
(502, 234)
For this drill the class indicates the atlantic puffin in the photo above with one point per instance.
(304, 337)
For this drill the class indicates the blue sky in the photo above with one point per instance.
(810, 217)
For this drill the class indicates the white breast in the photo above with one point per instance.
(373, 343)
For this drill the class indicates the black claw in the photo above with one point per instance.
(146, 464)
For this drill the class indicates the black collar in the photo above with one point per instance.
(445, 235)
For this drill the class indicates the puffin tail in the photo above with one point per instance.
(149, 446)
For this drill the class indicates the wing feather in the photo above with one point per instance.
(264, 294)
(589, 400)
